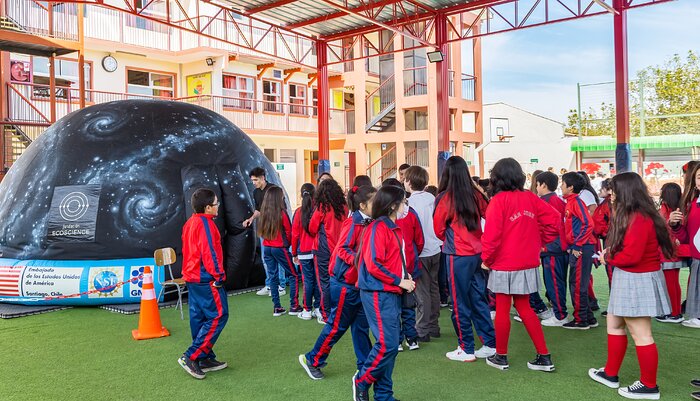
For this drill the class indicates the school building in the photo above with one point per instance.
(380, 106)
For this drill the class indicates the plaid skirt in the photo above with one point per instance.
(692, 305)
(514, 282)
(638, 294)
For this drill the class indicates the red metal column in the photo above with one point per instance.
(4, 99)
(623, 154)
(443, 88)
(324, 163)
(352, 167)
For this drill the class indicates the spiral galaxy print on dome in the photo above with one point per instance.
(126, 161)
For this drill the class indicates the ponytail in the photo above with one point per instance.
(307, 205)
(359, 195)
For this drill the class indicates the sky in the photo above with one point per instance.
(537, 69)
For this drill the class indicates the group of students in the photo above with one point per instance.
(370, 260)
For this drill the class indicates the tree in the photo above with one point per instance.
(667, 94)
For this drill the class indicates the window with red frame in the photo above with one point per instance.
(297, 98)
(272, 96)
(239, 92)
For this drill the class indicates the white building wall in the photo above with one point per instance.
(533, 137)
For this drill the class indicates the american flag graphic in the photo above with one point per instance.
(9, 280)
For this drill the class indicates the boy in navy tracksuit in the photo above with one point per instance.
(203, 271)
(347, 311)
(581, 246)
(555, 260)
(414, 242)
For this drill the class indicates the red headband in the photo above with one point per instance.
(355, 188)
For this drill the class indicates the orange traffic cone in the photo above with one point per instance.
(149, 317)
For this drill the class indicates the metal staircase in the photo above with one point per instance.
(7, 23)
(16, 142)
(381, 119)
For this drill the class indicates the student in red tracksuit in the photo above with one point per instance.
(671, 200)
(637, 233)
(581, 243)
(347, 311)
(686, 226)
(326, 221)
(276, 230)
(514, 215)
(302, 252)
(414, 241)
(203, 271)
(382, 279)
(457, 221)
(555, 260)
(601, 222)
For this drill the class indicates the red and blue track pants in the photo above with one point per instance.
(554, 272)
(208, 316)
(579, 282)
(276, 258)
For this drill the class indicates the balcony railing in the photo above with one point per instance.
(415, 81)
(56, 20)
(30, 103)
(468, 87)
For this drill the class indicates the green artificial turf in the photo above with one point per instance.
(88, 354)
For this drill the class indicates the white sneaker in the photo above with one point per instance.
(305, 315)
(554, 322)
(461, 356)
(484, 352)
(493, 315)
(319, 317)
(692, 323)
(546, 314)
(400, 347)
(263, 291)
(518, 319)
(282, 291)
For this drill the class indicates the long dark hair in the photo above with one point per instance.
(632, 196)
(671, 194)
(307, 205)
(387, 200)
(459, 186)
(329, 196)
(691, 190)
(358, 182)
(588, 186)
(273, 205)
(507, 175)
(359, 195)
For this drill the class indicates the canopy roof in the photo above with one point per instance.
(593, 144)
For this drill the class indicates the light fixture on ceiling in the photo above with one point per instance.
(436, 56)
(210, 61)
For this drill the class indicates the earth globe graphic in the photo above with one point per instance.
(105, 281)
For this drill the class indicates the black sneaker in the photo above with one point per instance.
(211, 365)
(593, 323)
(604, 313)
(601, 377)
(542, 363)
(412, 344)
(670, 319)
(595, 307)
(695, 383)
(638, 391)
(313, 372)
(191, 367)
(498, 361)
(357, 393)
(572, 325)
(296, 311)
(695, 395)
(278, 312)
(424, 339)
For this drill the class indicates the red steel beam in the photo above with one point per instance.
(623, 157)
(268, 6)
(324, 18)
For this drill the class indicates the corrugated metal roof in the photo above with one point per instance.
(297, 12)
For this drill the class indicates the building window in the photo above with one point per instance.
(272, 96)
(66, 77)
(297, 98)
(288, 156)
(314, 101)
(270, 154)
(239, 92)
(150, 83)
(416, 120)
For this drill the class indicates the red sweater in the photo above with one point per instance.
(578, 223)
(558, 244)
(683, 250)
(284, 236)
(202, 256)
(516, 224)
(413, 240)
(302, 241)
(381, 266)
(343, 259)
(640, 249)
(450, 229)
(326, 229)
(601, 219)
(689, 231)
